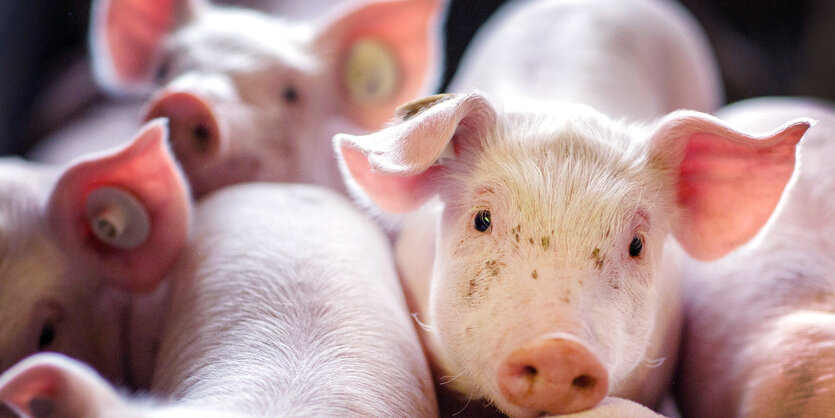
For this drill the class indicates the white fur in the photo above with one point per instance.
(286, 303)
(278, 310)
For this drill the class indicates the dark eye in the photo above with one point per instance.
(290, 95)
(636, 246)
(47, 336)
(481, 222)
(162, 71)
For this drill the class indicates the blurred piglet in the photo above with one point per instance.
(275, 310)
(541, 239)
(252, 96)
(83, 251)
(759, 336)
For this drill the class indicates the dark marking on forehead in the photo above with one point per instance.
(598, 259)
(530, 240)
(534, 275)
(546, 242)
(515, 232)
(472, 289)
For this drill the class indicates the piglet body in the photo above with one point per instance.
(537, 241)
(286, 303)
(759, 323)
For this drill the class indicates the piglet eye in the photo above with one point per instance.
(481, 222)
(162, 71)
(47, 336)
(636, 247)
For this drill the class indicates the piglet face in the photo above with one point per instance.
(253, 97)
(553, 228)
(550, 239)
(78, 244)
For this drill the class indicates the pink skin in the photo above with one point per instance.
(275, 311)
(276, 91)
(759, 323)
(66, 289)
(557, 258)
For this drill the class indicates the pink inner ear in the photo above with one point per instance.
(36, 381)
(392, 193)
(67, 386)
(729, 187)
(147, 170)
(126, 38)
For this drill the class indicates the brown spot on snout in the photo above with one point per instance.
(546, 242)
(534, 274)
(530, 240)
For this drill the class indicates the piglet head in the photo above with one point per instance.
(553, 229)
(74, 252)
(253, 97)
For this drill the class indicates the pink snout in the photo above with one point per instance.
(195, 133)
(553, 375)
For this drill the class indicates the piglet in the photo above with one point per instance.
(84, 251)
(285, 303)
(252, 96)
(541, 239)
(759, 327)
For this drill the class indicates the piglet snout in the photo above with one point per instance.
(555, 375)
(195, 132)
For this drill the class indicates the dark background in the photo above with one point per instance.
(764, 47)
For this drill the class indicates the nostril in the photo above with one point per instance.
(201, 138)
(583, 382)
(529, 371)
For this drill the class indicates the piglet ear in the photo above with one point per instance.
(53, 385)
(127, 212)
(398, 167)
(386, 52)
(126, 38)
(729, 182)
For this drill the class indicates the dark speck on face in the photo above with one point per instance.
(546, 242)
(534, 275)
(598, 259)
(493, 268)
(530, 240)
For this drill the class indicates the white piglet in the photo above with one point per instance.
(84, 252)
(285, 303)
(541, 239)
(251, 96)
(759, 332)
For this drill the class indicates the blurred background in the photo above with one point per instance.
(764, 47)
